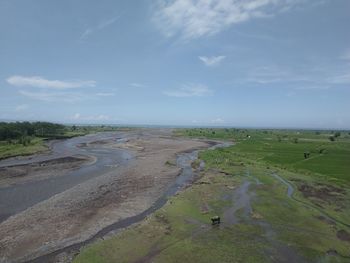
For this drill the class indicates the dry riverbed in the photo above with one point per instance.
(79, 212)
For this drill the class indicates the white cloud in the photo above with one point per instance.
(39, 82)
(212, 61)
(197, 18)
(53, 96)
(190, 90)
(100, 117)
(21, 107)
(76, 116)
(103, 24)
(218, 121)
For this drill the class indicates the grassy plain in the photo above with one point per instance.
(260, 222)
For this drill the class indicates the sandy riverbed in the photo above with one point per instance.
(81, 211)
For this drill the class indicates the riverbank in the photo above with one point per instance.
(121, 191)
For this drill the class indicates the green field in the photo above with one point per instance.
(260, 221)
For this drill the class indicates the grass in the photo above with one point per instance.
(181, 230)
(9, 150)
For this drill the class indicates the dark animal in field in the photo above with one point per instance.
(215, 220)
(306, 155)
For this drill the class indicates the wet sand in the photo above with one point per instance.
(106, 191)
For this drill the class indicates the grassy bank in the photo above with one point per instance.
(261, 222)
(27, 145)
(12, 149)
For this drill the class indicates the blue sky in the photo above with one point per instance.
(252, 63)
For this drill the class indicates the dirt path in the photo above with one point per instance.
(82, 210)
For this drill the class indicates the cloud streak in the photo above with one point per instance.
(137, 85)
(103, 24)
(53, 96)
(105, 94)
(22, 107)
(198, 18)
(80, 117)
(212, 61)
(190, 90)
(345, 55)
(40, 82)
(312, 78)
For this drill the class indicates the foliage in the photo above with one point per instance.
(19, 130)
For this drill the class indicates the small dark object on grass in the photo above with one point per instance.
(306, 155)
(215, 220)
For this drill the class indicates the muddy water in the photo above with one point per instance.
(240, 201)
(16, 198)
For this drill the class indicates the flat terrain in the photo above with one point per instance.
(83, 186)
(275, 204)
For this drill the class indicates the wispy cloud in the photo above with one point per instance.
(311, 78)
(40, 82)
(80, 117)
(218, 121)
(212, 61)
(103, 24)
(190, 90)
(345, 55)
(137, 85)
(197, 18)
(47, 96)
(313, 87)
(21, 107)
(105, 94)
(343, 78)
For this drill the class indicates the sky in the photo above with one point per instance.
(240, 63)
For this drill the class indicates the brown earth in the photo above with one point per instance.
(325, 193)
(343, 235)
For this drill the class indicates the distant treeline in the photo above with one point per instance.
(18, 130)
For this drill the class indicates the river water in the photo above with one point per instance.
(16, 198)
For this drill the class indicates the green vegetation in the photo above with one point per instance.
(25, 138)
(14, 148)
(261, 223)
(285, 149)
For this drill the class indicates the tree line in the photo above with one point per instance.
(21, 130)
